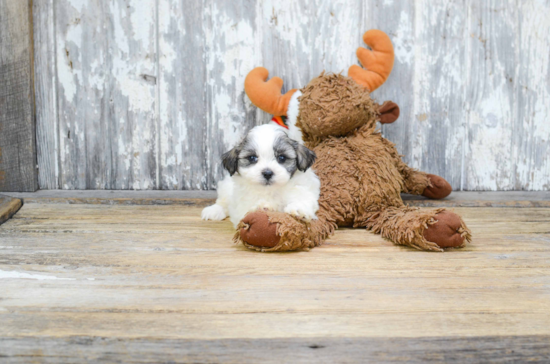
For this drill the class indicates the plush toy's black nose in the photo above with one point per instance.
(267, 173)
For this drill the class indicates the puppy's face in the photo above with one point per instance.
(267, 156)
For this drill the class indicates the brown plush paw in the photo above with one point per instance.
(258, 231)
(447, 232)
(439, 188)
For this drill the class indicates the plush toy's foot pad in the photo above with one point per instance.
(448, 232)
(277, 232)
(439, 188)
(258, 231)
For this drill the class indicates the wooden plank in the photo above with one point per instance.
(47, 123)
(491, 101)
(531, 130)
(81, 100)
(203, 198)
(8, 207)
(106, 63)
(153, 220)
(97, 197)
(182, 87)
(134, 94)
(278, 350)
(17, 124)
(151, 283)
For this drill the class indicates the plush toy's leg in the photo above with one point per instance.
(277, 231)
(420, 183)
(421, 229)
(438, 188)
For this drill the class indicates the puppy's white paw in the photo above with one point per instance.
(265, 205)
(301, 211)
(214, 212)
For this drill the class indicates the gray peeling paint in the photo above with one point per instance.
(147, 94)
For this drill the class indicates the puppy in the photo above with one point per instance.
(269, 171)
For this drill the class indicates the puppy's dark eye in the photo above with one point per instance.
(252, 159)
(281, 158)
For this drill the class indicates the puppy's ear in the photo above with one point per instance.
(304, 156)
(230, 160)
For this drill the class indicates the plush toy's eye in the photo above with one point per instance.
(252, 159)
(281, 158)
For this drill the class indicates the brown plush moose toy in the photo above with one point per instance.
(361, 173)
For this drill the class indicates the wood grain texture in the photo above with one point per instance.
(155, 92)
(85, 349)
(531, 138)
(47, 126)
(17, 124)
(518, 199)
(8, 207)
(106, 78)
(492, 44)
(182, 95)
(97, 279)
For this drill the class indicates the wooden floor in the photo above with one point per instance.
(107, 283)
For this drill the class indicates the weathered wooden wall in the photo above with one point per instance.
(17, 122)
(146, 94)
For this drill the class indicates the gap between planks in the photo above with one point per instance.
(519, 199)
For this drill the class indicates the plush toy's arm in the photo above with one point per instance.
(420, 183)
(415, 182)
(270, 231)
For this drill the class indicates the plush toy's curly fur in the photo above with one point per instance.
(294, 234)
(362, 176)
(333, 105)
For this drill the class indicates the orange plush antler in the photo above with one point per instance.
(378, 62)
(267, 95)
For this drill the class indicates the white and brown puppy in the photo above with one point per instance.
(267, 170)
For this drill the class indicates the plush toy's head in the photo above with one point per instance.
(334, 105)
(331, 104)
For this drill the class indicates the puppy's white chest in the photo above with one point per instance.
(247, 198)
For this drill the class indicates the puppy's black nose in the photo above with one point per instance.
(267, 173)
